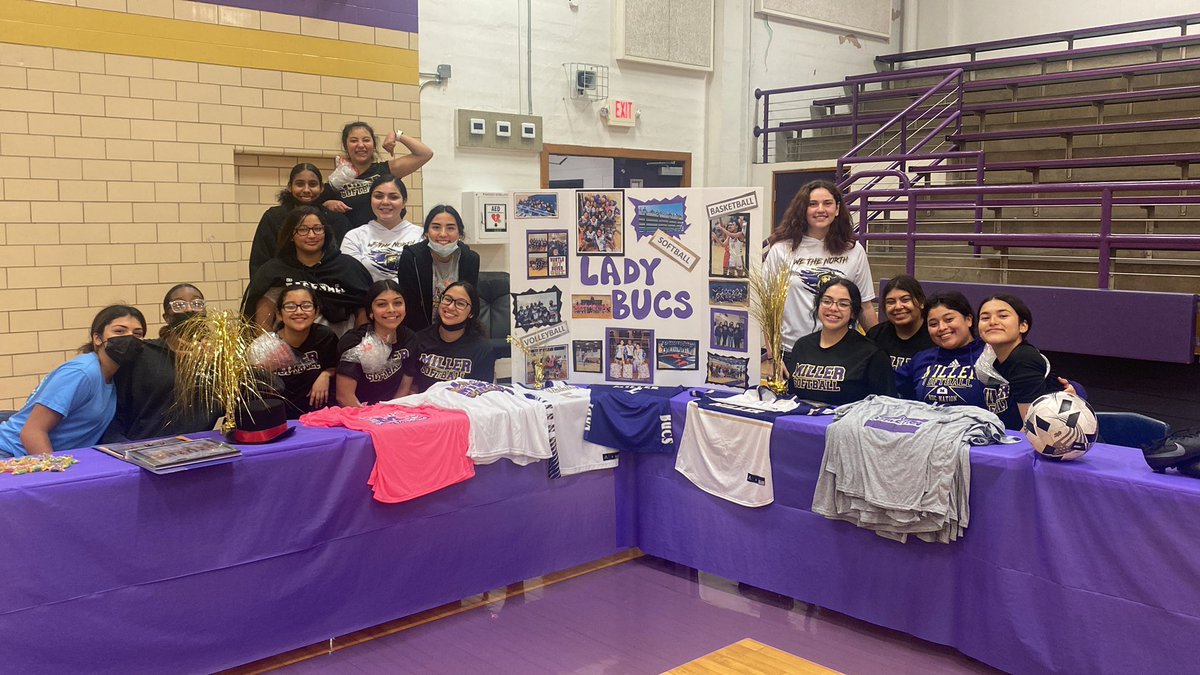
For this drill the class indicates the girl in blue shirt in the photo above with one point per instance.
(74, 404)
(946, 373)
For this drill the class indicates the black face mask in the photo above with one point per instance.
(123, 349)
(456, 326)
(176, 319)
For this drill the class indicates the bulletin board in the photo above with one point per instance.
(636, 286)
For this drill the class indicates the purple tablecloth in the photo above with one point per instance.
(113, 569)
(1091, 566)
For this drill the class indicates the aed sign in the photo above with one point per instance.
(621, 114)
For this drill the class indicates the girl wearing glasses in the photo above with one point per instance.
(373, 357)
(428, 267)
(307, 380)
(815, 242)
(303, 189)
(146, 386)
(379, 243)
(454, 346)
(308, 256)
(73, 405)
(836, 364)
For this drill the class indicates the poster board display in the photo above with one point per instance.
(636, 286)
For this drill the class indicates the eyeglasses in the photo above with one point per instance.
(183, 305)
(840, 304)
(302, 306)
(315, 229)
(460, 304)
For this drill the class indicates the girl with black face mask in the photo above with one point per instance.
(146, 386)
(74, 404)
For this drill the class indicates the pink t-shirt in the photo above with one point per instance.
(417, 450)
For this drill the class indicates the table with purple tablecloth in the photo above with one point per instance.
(112, 569)
(1086, 566)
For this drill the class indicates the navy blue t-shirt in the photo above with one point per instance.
(633, 418)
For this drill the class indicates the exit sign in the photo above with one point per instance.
(621, 114)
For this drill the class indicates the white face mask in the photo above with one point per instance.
(443, 250)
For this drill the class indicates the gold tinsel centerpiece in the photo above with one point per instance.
(768, 295)
(212, 368)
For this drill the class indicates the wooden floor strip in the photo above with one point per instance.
(750, 657)
(422, 618)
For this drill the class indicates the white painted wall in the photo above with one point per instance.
(595, 172)
(710, 115)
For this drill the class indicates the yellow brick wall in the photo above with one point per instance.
(124, 171)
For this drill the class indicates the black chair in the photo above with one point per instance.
(496, 312)
(1130, 429)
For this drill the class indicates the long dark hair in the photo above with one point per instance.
(291, 221)
(474, 325)
(285, 197)
(794, 223)
(379, 288)
(107, 316)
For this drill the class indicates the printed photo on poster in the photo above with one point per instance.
(729, 329)
(601, 223)
(628, 352)
(554, 363)
(729, 371)
(729, 254)
(658, 215)
(536, 205)
(733, 293)
(534, 308)
(495, 217)
(587, 356)
(591, 307)
(546, 253)
(677, 354)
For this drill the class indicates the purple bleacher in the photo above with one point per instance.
(1174, 124)
(1163, 159)
(991, 84)
(1068, 36)
(1156, 45)
(1097, 322)
(1141, 95)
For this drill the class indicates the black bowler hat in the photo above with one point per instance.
(260, 421)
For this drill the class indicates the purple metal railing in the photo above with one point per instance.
(1068, 36)
(1102, 195)
(855, 117)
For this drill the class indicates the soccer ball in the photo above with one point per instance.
(1060, 426)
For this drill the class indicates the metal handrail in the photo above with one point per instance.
(1104, 241)
(1068, 36)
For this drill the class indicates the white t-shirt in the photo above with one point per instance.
(726, 447)
(811, 265)
(503, 423)
(378, 248)
(571, 403)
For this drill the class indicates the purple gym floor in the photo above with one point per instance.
(642, 616)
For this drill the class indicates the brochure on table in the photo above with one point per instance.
(636, 286)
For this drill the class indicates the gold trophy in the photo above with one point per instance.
(768, 294)
(539, 372)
